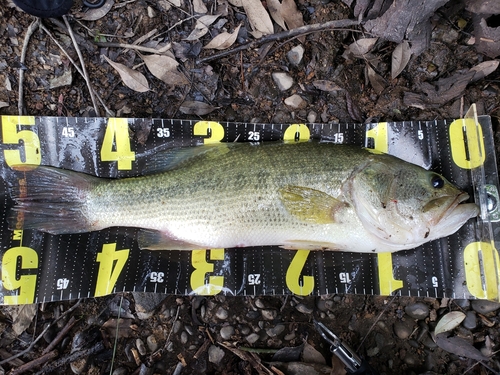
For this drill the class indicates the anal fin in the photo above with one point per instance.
(148, 239)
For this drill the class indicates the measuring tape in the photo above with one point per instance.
(38, 267)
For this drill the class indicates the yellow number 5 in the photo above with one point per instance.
(29, 140)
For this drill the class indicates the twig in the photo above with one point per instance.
(133, 46)
(35, 363)
(60, 335)
(108, 111)
(82, 63)
(99, 347)
(27, 37)
(30, 347)
(303, 30)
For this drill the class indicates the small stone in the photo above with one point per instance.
(253, 315)
(215, 354)
(372, 352)
(252, 338)
(120, 371)
(245, 330)
(283, 80)
(152, 343)
(470, 321)
(462, 303)
(295, 55)
(276, 330)
(295, 101)
(289, 336)
(177, 326)
(189, 330)
(403, 329)
(221, 313)
(428, 341)
(184, 337)
(303, 309)
(140, 346)
(259, 303)
(312, 116)
(146, 303)
(417, 310)
(79, 366)
(269, 314)
(226, 332)
(484, 306)
(311, 355)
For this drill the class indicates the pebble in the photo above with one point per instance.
(289, 336)
(311, 355)
(221, 313)
(120, 371)
(269, 314)
(295, 101)
(79, 366)
(484, 306)
(152, 343)
(303, 309)
(146, 303)
(140, 346)
(189, 330)
(403, 329)
(184, 337)
(312, 117)
(259, 303)
(226, 332)
(463, 303)
(215, 354)
(276, 330)
(283, 80)
(295, 55)
(144, 370)
(470, 321)
(252, 338)
(245, 330)
(253, 314)
(177, 326)
(417, 310)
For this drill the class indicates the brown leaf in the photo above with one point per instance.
(362, 46)
(459, 346)
(325, 85)
(400, 58)
(98, 13)
(201, 27)
(291, 14)
(199, 7)
(258, 17)
(377, 82)
(158, 65)
(22, 316)
(224, 40)
(119, 327)
(483, 69)
(449, 322)
(196, 108)
(274, 7)
(131, 78)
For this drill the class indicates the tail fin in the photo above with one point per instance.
(50, 200)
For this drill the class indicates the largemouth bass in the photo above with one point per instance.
(307, 195)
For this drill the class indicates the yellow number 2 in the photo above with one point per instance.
(116, 144)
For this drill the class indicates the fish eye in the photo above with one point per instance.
(437, 181)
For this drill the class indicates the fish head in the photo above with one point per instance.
(404, 205)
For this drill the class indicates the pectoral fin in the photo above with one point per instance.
(155, 240)
(311, 205)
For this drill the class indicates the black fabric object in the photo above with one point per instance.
(45, 8)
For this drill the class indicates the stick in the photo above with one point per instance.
(27, 37)
(133, 46)
(60, 335)
(108, 111)
(30, 347)
(303, 30)
(82, 63)
(35, 363)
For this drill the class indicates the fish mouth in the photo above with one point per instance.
(457, 211)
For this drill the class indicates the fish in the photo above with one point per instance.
(304, 195)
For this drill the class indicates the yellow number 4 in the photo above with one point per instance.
(116, 144)
(111, 263)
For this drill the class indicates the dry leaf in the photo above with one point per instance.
(258, 16)
(362, 46)
(199, 7)
(196, 108)
(484, 68)
(4, 104)
(236, 3)
(325, 85)
(22, 316)
(165, 68)
(377, 82)
(224, 40)
(201, 27)
(275, 8)
(449, 322)
(459, 346)
(97, 13)
(291, 14)
(400, 58)
(131, 78)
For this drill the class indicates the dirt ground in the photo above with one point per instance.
(117, 334)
